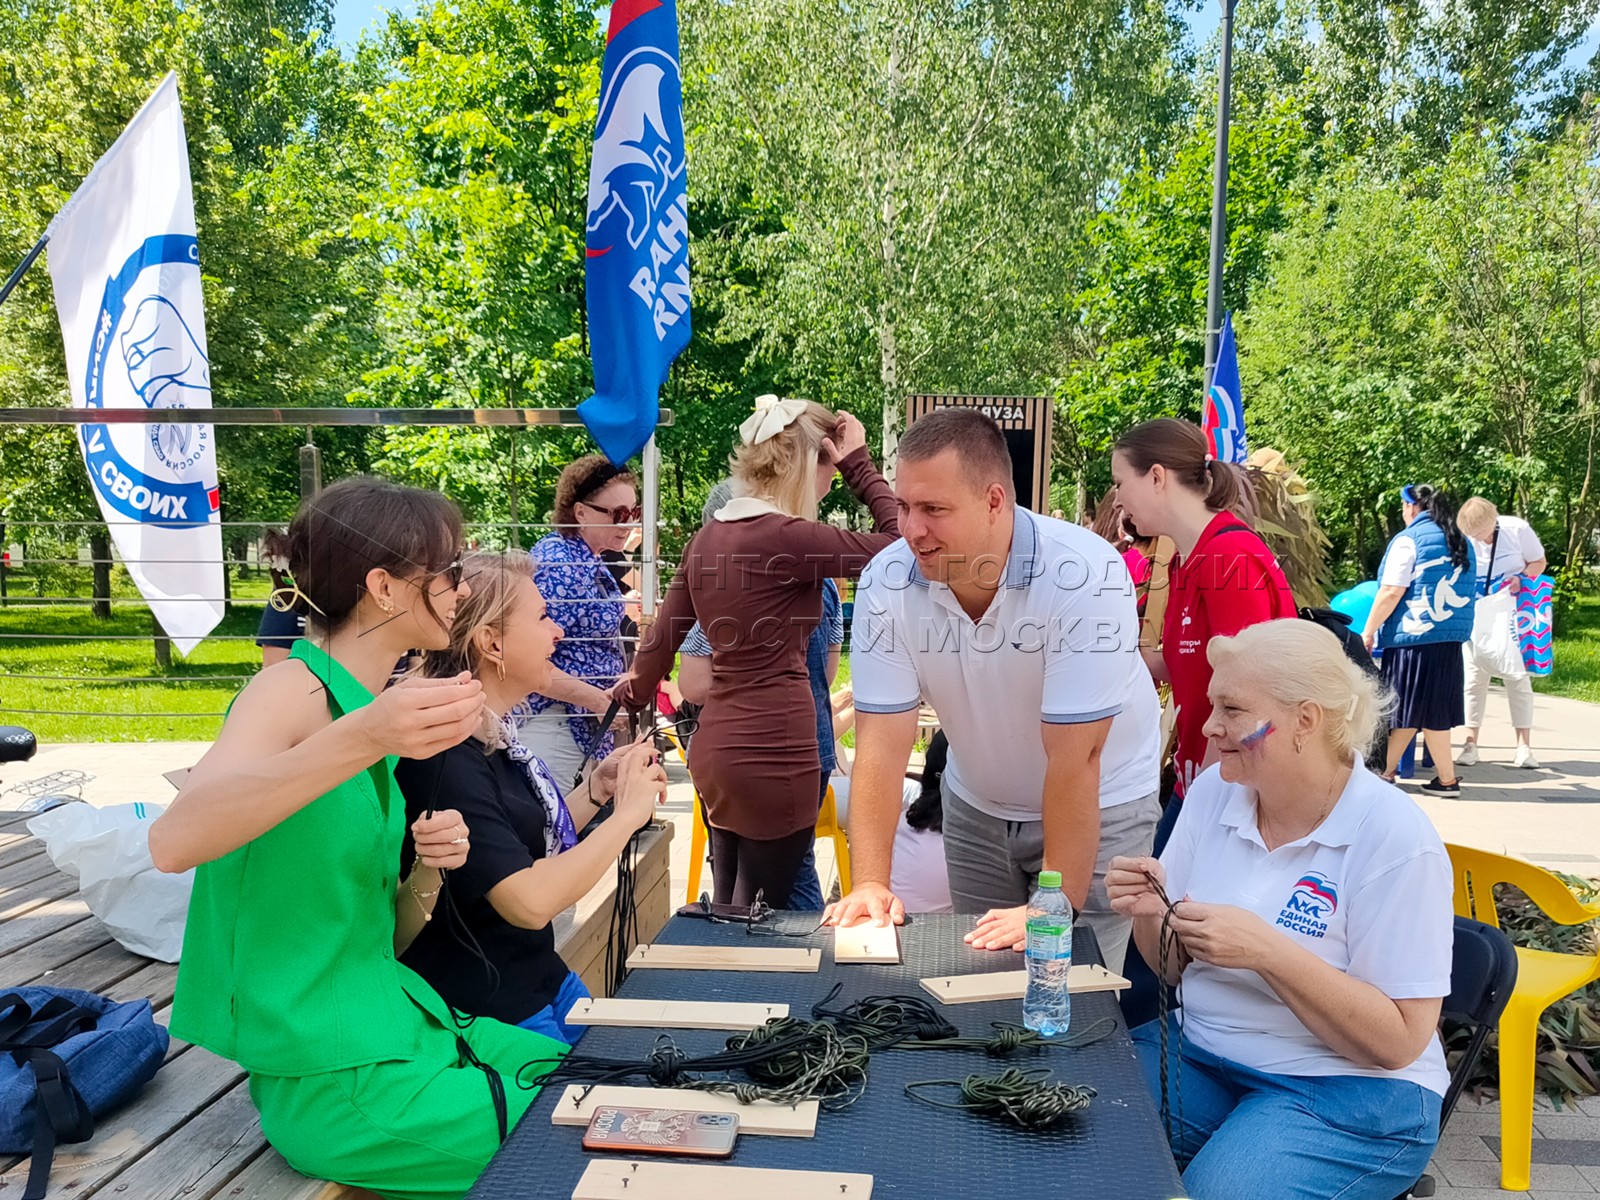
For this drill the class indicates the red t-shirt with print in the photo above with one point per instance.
(1230, 580)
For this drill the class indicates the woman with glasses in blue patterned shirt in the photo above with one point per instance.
(597, 507)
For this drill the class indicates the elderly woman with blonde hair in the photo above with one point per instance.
(1508, 550)
(1310, 938)
(754, 578)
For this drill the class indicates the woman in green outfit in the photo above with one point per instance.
(362, 1074)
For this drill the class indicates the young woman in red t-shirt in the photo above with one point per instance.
(1223, 578)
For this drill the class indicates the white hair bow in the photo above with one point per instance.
(772, 417)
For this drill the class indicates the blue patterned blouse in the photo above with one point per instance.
(586, 602)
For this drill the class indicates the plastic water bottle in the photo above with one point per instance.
(1047, 1007)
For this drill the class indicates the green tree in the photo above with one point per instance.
(483, 121)
(1142, 341)
(911, 197)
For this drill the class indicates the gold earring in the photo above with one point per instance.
(386, 605)
(500, 667)
(1299, 743)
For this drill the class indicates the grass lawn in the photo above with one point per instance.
(103, 683)
(1577, 653)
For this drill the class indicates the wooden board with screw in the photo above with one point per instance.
(725, 958)
(1010, 985)
(673, 1014)
(866, 943)
(628, 1179)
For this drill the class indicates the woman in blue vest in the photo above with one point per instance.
(1420, 617)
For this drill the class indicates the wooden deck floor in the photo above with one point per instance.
(193, 1132)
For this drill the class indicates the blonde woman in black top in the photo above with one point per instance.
(526, 864)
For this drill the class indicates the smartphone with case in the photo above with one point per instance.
(661, 1131)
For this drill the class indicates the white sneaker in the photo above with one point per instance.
(1525, 758)
(1468, 757)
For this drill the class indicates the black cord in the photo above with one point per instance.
(1173, 1087)
(789, 1060)
(600, 736)
(623, 932)
(915, 1023)
(1008, 1038)
(884, 1021)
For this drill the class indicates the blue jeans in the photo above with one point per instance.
(1245, 1133)
(806, 894)
(551, 1020)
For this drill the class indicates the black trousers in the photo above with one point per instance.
(742, 867)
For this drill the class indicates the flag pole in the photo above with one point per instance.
(649, 565)
(1219, 198)
(22, 267)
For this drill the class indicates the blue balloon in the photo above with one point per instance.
(1356, 603)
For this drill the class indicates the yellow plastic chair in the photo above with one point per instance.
(1543, 977)
(827, 826)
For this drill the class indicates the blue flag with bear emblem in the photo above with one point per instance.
(637, 245)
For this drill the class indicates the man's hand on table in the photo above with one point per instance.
(1001, 929)
(866, 902)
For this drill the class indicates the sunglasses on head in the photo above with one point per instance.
(454, 573)
(621, 515)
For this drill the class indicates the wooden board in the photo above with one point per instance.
(866, 943)
(673, 1014)
(726, 958)
(1010, 985)
(629, 1179)
(762, 1117)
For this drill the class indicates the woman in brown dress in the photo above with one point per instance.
(753, 577)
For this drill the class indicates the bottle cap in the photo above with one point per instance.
(1049, 879)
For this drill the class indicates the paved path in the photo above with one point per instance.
(1550, 816)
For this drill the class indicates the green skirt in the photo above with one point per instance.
(412, 1129)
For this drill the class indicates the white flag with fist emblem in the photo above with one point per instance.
(126, 268)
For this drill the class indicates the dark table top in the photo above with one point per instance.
(1115, 1150)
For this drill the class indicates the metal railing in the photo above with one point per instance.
(187, 674)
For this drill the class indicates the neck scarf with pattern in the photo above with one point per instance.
(559, 832)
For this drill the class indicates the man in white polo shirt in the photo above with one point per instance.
(1022, 632)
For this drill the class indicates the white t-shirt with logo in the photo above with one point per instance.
(1058, 644)
(1368, 892)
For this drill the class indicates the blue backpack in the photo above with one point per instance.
(66, 1057)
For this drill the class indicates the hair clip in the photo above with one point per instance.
(283, 599)
(772, 417)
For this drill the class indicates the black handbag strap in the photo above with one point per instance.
(29, 1035)
(1488, 567)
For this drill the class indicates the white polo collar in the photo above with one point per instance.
(1338, 829)
(1022, 566)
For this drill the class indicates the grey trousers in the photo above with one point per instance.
(994, 863)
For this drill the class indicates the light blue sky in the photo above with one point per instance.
(350, 17)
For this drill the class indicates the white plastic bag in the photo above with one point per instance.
(108, 850)
(1494, 635)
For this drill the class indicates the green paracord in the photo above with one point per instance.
(1026, 1098)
